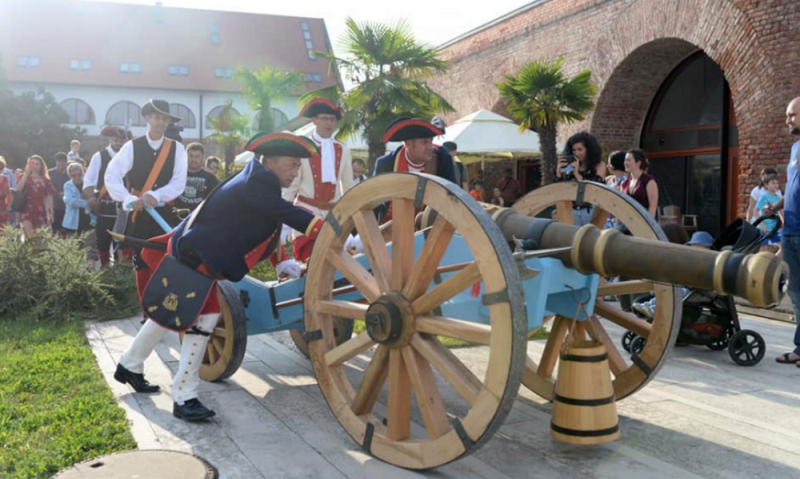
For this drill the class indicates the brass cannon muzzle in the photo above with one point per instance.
(760, 278)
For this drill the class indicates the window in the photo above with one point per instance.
(130, 67)
(126, 114)
(279, 119)
(313, 77)
(214, 113)
(307, 35)
(311, 55)
(28, 62)
(179, 70)
(223, 72)
(85, 65)
(309, 43)
(80, 113)
(215, 40)
(304, 26)
(185, 113)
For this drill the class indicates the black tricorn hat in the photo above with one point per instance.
(159, 106)
(114, 132)
(281, 144)
(319, 106)
(410, 129)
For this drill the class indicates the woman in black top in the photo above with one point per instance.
(580, 160)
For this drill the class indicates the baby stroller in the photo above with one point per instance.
(710, 319)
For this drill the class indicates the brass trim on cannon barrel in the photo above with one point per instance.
(760, 278)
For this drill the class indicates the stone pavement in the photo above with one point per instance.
(702, 417)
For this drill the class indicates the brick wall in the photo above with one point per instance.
(631, 46)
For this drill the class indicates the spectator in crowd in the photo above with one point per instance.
(497, 198)
(212, 165)
(58, 177)
(461, 171)
(767, 199)
(752, 213)
(37, 212)
(77, 218)
(579, 162)
(639, 185)
(477, 191)
(5, 194)
(199, 182)
(18, 174)
(9, 173)
(509, 188)
(358, 171)
(74, 149)
(616, 168)
(478, 177)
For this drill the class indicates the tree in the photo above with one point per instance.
(31, 123)
(231, 130)
(541, 97)
(264, 87)
(389, 67)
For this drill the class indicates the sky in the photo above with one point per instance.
(433, 22)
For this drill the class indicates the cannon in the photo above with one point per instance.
(458, 278)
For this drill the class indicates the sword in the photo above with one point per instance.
(138, 242)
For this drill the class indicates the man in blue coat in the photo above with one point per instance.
(238, 225)
(418, 154)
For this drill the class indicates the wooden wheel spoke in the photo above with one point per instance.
(429, 258)
(621, 318)
(374, 247)
(597, 332)
(552, 348)
(564, 212)
(213, 356)
(449, 366)
(349, 349)
(402, 241)
(220, 332)
(427, 393)
(399, 420)
(355, 273)
(625, 287)
(447, 289)
(599, 218)
(372, 381)
(454, 328)
(344, 309)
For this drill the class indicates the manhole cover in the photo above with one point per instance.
(153, 464)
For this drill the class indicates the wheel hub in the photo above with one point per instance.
(390, 320)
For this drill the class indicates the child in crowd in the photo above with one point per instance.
(77, 217)
(74, 149)
(772, 195)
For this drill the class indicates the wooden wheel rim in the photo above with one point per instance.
(666, 322)
(493, 398)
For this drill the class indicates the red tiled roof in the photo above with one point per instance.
(107, 34)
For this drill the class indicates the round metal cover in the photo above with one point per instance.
(150, 464)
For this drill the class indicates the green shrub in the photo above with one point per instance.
(50, 277)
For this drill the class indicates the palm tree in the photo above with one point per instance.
(389, 67)
(264, 87)
(540, 97)
(231, 130)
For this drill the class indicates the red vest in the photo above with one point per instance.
(324, 192)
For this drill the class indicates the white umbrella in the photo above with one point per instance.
(486, 135)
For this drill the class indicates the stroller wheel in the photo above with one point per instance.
(638, 344)
(627, 339)
(721, 343)
(747, 348)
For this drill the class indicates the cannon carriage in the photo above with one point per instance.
(395, 387)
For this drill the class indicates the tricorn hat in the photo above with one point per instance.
(114, 132)
(281, 144)
(159, 106)
(410, 129)
(319, 106)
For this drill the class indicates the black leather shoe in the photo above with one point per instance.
(136, 380)
(192, 410)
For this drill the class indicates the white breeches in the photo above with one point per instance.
(144, 344)
(187, 379)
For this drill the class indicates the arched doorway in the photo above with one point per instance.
(690, 137)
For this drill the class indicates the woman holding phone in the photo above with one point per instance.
(37, 212)
(581, 161)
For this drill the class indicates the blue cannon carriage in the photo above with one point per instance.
(451, 272)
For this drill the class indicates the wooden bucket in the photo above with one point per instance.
(584, 406)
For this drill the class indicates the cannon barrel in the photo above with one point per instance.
(760, 278)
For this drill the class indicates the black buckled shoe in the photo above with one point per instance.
(136, 380)
(192, 410)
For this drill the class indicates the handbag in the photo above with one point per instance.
(18, 203)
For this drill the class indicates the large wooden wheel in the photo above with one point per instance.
(632, 374)
(368, 381)
(228, 342)
(342, 331)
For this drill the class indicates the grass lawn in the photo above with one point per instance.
(55, 407)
